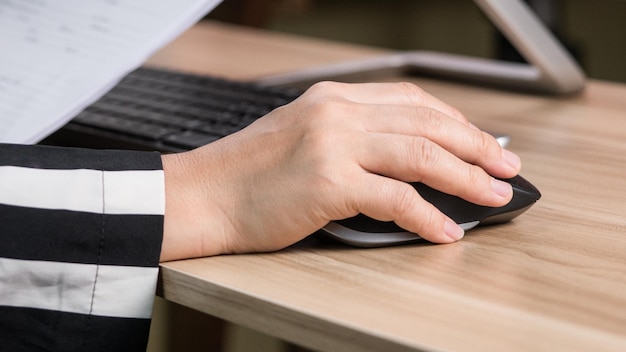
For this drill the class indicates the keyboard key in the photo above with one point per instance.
(163, 109)
(125, 126)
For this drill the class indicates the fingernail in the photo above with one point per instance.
(501, 188)
(511, 159)
(452, 230)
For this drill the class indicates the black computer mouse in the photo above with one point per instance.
(363, 231)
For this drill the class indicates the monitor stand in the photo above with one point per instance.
(550, 68)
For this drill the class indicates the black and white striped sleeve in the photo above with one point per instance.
(80, 239)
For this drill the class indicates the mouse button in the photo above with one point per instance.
(522, 199)
(523, 187)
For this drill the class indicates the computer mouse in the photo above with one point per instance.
(363, 231)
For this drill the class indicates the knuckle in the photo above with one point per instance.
(432, 118)
(406, 211)
(459, 115)
(430, 220)
(405, 202)
(325, 113)
(426, 153)
(428, 121)
(476, 176)
(480, 191)
(412, 91)
(328, 105)
(323, 88)
(322, 107)
(487, 146)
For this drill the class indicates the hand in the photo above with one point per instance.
(337, 150)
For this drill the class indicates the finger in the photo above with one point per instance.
(387, 199)
(402, 93)
(418, 159)
(469, 144)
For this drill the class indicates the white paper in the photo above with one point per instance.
(58, 56)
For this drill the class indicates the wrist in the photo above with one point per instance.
(191, 225)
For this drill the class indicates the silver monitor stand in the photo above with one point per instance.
(550, 70)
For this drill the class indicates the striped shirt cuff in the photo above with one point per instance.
(80, 230)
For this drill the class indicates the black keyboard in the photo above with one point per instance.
(154, 109)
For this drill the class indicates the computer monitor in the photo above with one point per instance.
(550, 68)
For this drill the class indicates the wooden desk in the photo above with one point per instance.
(553, 279)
